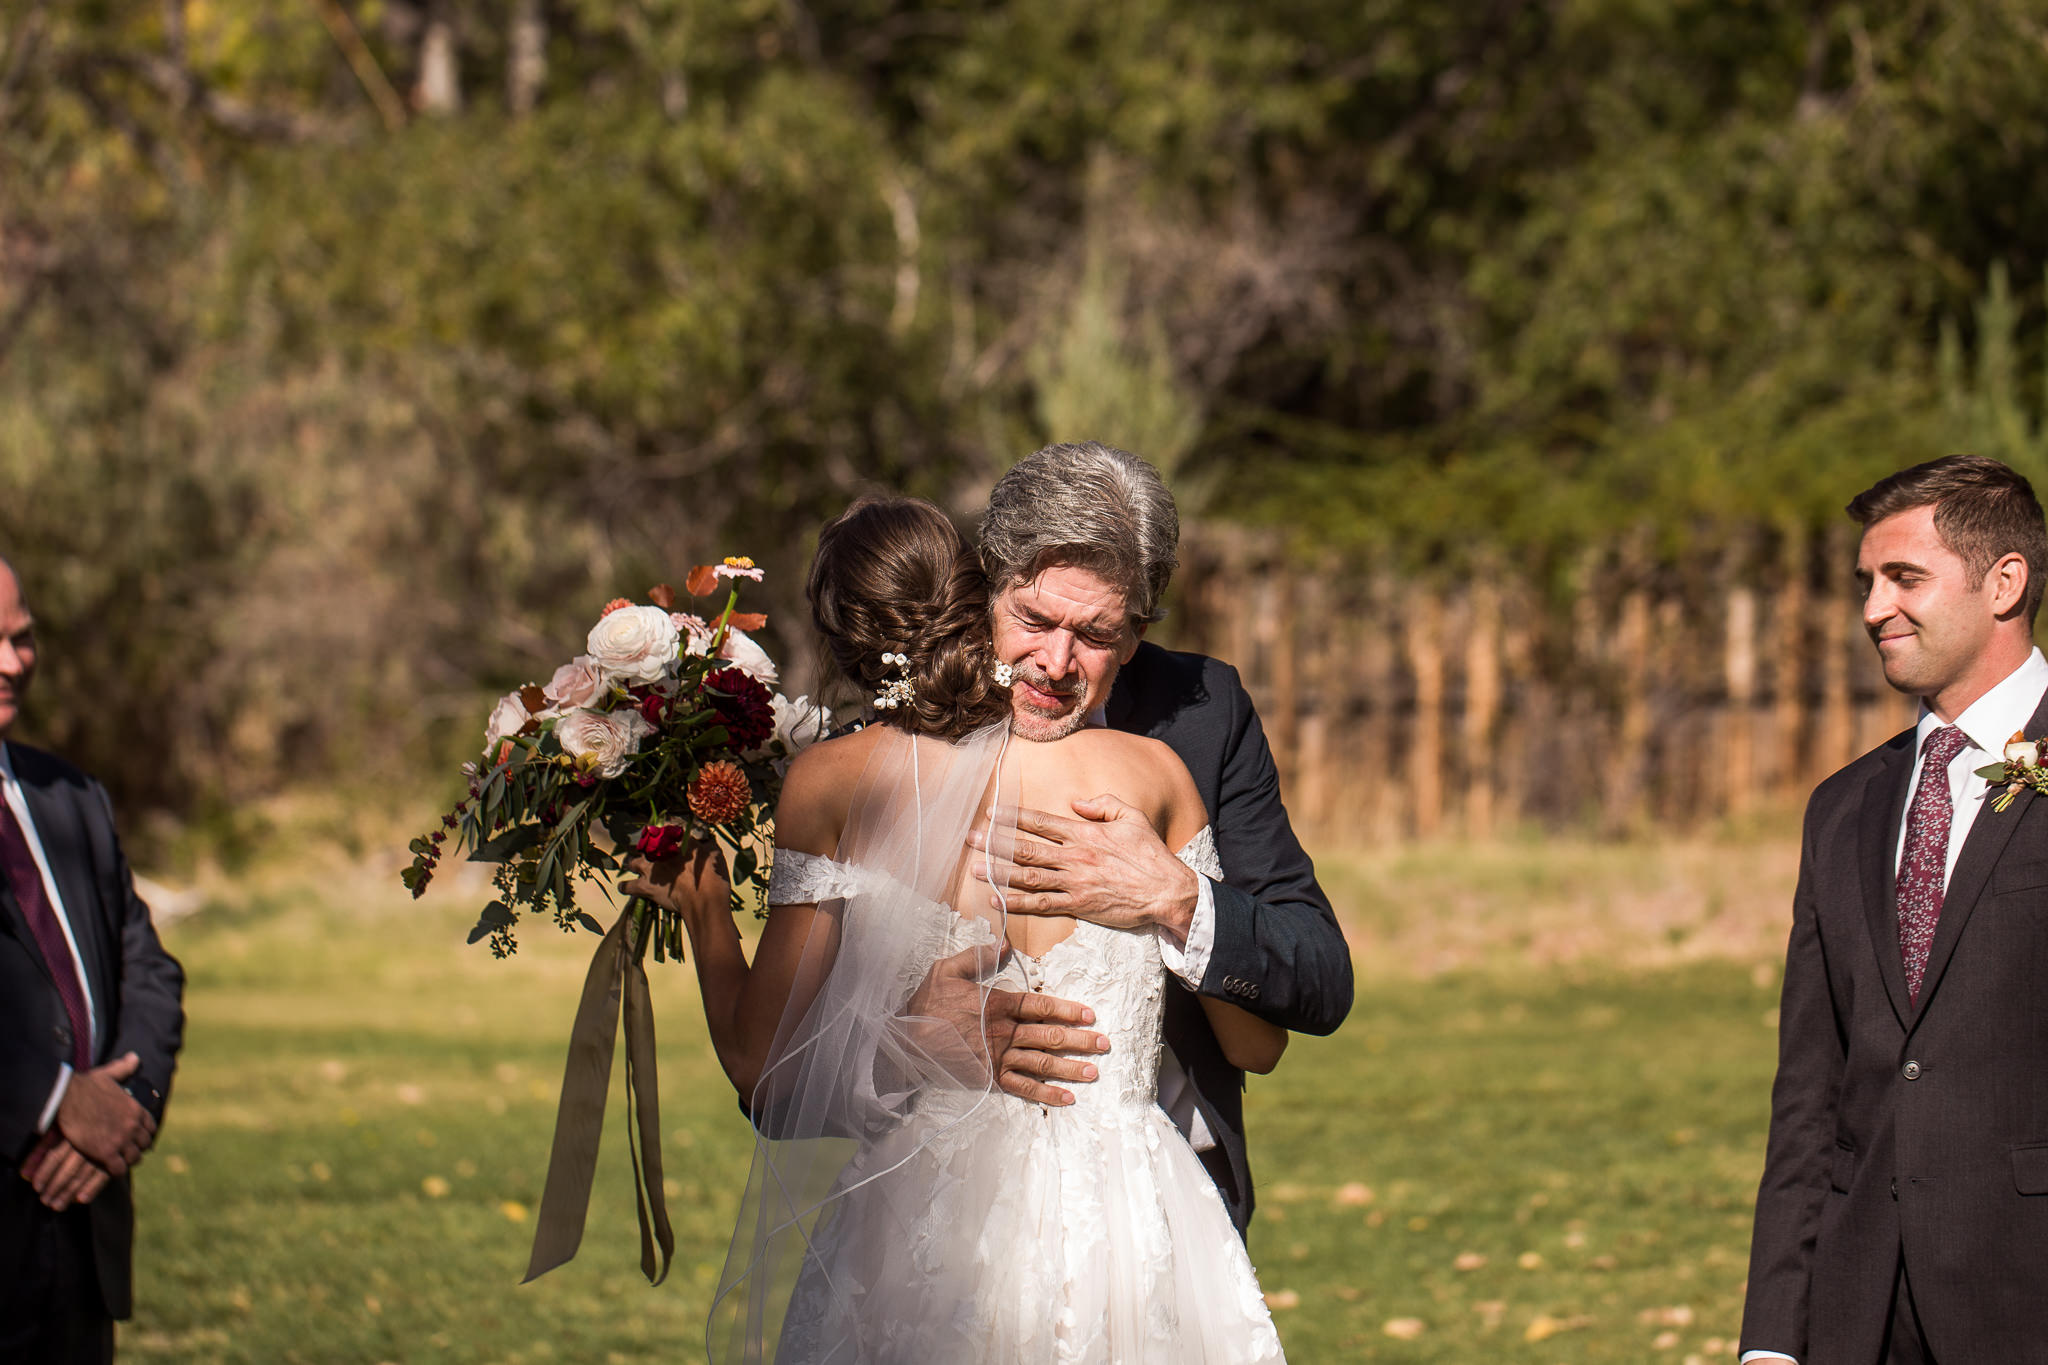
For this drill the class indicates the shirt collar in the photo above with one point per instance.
(7, 778)
(1993, 718)
(1098, 718)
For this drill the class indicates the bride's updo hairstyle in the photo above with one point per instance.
(892, 576)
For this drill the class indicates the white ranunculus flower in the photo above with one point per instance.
(508, 718)
(2025, 752)
(602, 742)
(634, 644)
(798, 725)
(749, 658)
(577, 683)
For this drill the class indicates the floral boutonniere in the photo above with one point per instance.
(2020, 769)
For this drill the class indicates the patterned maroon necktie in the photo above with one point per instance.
(1924, 869)
(18, 865)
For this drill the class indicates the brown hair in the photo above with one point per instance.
(1983, 511)
(892, 576)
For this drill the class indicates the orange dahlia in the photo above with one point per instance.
(720, 793)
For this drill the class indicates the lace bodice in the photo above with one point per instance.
(1119, 973)
(1081, 1235)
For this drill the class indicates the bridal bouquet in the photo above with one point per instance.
(664, 733)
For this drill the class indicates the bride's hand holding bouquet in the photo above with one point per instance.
(666, 737)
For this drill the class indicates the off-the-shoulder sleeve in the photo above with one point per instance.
(1200, 853)
(798, 878)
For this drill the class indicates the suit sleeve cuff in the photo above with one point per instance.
(1189, 960)
(56, 1100)
(1748, 1356)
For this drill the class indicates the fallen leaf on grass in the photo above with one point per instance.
(1404, 1329)
(1678, 1315)
(1354, 1195)
(1469, 1260)
(1543, 1326)
(1283, 1298)
(434, 1187)
(513, 1210)
(1530, 1260)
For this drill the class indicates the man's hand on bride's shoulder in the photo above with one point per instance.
(684, 882)
(1109, 867)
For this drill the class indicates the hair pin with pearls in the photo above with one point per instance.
(898, 691)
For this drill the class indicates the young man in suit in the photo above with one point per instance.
(90, 1024)
(1903, 1210)
(1079, 542)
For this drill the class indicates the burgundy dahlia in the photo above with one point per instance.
(744, 706)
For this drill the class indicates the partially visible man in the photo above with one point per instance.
(90, 1025)
(1080, 542)
(1903, 1211)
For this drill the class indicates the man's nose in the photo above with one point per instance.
(1059, 655)
(1877, 605)
(11, 665)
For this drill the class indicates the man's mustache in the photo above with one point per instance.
(1044, 684)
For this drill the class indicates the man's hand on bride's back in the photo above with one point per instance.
(1109, 867)
(1034, 1038)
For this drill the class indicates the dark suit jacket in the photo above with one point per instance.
(1900, 1127)
(1278, 951)
(135, 985)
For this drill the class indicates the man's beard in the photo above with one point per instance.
(1027, 722)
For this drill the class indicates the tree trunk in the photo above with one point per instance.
(526, 61)
(440, 87)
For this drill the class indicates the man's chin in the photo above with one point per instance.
(1041, 728)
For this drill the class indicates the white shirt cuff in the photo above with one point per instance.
(1190, 960)
(56, 1098)
(1748, 1356)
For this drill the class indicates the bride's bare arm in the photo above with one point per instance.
(744, 1002)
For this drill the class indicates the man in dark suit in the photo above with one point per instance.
(1903, 1212)
(90, 1024)
(1079, 543)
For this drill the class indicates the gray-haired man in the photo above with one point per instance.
(1080, 542)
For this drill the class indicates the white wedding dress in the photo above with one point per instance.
(970, 1225)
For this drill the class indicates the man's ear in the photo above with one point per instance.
(1131, 645)
(2008, 580)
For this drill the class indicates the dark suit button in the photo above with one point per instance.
(1911, 1071)
(1251, 990)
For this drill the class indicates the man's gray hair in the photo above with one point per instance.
(1088, 506)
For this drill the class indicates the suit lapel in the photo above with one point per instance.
(1884, 806)
(1116, 712)
(1990, 832)
(63, 841)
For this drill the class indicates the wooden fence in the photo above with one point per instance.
(1642, 697)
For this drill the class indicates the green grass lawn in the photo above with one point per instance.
(1543, 1158)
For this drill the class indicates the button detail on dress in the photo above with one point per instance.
(1911, 1071)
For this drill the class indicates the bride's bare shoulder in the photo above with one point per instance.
(1143, 771)
(817, 791)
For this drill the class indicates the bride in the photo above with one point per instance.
(901, 1207)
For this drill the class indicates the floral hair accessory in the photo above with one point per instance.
(1005, 675)
(2018, 770)
(898, 691)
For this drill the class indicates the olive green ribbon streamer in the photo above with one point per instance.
(617, 978)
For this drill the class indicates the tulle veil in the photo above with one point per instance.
(864, 1072)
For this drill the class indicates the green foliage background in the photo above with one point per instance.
(314, 421)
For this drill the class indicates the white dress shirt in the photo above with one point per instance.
(1987, 723)
(1189, 960)
(10, 790)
